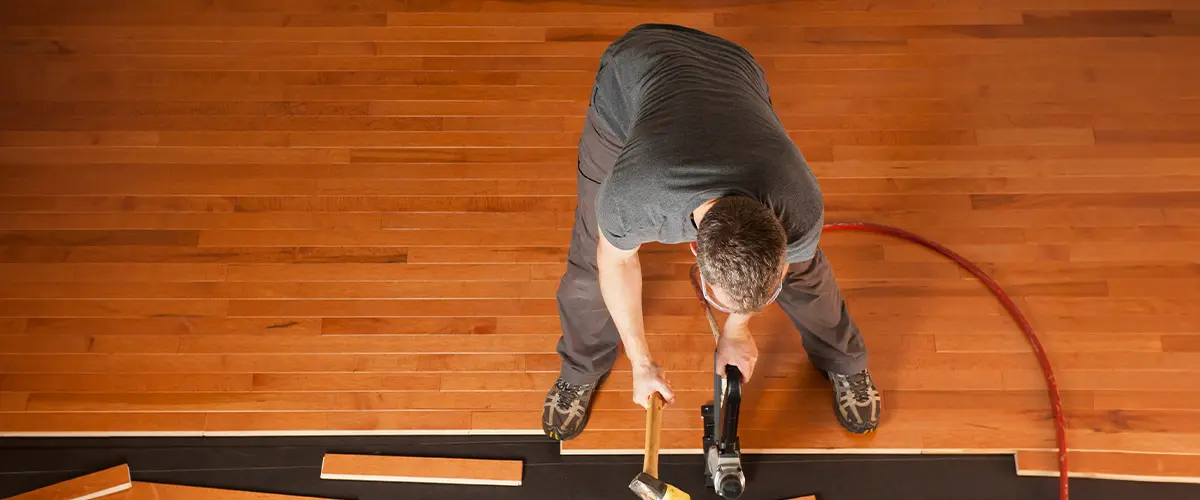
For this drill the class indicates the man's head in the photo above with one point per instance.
(741, 249)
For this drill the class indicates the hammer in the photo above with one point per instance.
(647, 485)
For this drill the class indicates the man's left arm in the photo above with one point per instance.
(736, 346)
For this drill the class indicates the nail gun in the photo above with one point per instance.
(722, 453)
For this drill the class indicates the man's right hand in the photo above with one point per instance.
(647, 380)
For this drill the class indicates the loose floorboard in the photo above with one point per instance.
(109, 483)
(437, 470)
(304, 217)
(155, 491)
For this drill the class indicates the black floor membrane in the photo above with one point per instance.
(292, 465)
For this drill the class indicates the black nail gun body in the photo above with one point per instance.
(722, 453)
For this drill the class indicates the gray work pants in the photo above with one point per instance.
(588, 346)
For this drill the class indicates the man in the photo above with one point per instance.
(681, 144)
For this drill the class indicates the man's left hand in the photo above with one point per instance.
(736, 347)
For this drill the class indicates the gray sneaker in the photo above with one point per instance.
(856, 401)
(567, 409)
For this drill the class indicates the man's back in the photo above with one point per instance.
(693, 113)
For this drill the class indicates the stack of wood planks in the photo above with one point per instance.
(231, 217)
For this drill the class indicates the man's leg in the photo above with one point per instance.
(588, 346)
(811, 298)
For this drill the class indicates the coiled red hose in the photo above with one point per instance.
(1060, 432)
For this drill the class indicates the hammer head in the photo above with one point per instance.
(648, 487)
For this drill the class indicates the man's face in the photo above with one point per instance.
(720, 298)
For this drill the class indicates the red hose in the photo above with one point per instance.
(1060, 432)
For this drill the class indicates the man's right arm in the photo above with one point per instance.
(620, 274)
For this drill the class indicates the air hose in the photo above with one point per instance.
(1060, 432)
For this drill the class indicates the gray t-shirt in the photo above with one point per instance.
(694, 115)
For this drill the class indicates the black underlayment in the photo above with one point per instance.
(292, 465)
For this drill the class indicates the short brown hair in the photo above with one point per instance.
(742, 248)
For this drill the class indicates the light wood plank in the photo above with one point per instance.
(176, 326)
(107, 424)
(376, 272)
(155, 491)
(35, 308)
(248, 403)
(258, 423)
(179, 220)
(1037, 136)
(108, 273)
(292, 290)
(14, 401)
(422, 470)
(1107, 465)
(105, 483)
(126, 382)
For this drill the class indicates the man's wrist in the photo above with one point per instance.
(737, 333)
(737, 327)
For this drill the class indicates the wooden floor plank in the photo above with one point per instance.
(89, 423)
(256, 422)
(166, 326)
(376, 272)
(187, 221)
(338, 290)
(34, 308)
(155, 491)
(1122, 466)
(107, 483)
(247, 403)
(127, 382)
(422, 470)
(1021, 137)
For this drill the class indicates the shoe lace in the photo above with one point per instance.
(568, 393)
(860, 386)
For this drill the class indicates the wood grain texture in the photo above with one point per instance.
(302, 216)
(107, 483)
(422, 470)
(1108, 465)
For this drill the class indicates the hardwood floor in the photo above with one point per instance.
(303, 216)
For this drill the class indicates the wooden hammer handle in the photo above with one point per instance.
(653, 429)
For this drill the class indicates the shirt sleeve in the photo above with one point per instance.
(610, 216)
(805, 248)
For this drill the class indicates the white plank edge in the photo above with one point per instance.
(804, 451)
(102, 493)
(1114, 477)
(412, 479)
(385, 432)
